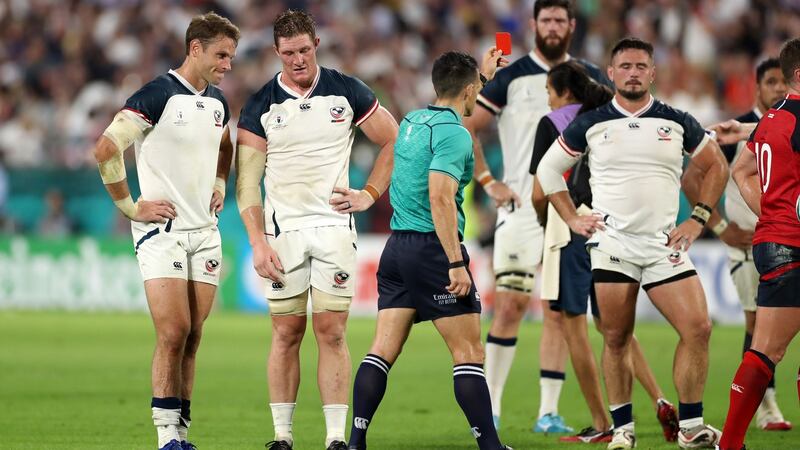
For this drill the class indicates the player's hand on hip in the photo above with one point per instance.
(502, 194)
(682, 236)
(460, 282)
(158, 211)
(492, 59)
(586, 226)
(350, 200)
(217, 202)
(267, 263)
(737, 237)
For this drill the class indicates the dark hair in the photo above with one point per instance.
(632, 43)
(452, 72)
(790, 59)
(573, 77)
(292, 23)
(542, 4)
(208, 27)
(764, 66)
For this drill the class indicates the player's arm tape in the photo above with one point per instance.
(701, 213)
(219, 185)
(550, 171)
(249, 171)
(122, 131)
(127, 206)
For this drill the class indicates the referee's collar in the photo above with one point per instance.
(444, 108)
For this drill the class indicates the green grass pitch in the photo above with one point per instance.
(82, 381)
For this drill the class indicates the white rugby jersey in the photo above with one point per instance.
(176, 159)
(736, 208)
(517, 95)
(636, 161)
(309, 138)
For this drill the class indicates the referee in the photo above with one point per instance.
(423, 272)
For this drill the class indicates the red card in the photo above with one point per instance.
(503, 42)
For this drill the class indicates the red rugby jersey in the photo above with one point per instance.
(776, 144)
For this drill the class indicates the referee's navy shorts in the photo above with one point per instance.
(779, 266)
(575, 286)
(414, 273)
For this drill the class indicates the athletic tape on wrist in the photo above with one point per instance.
(127, 206)
(219, 185)
(720, 227)
(702, 211)
(373, 192)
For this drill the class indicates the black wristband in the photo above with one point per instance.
(457, 264)
(484, 80)
(698, 219)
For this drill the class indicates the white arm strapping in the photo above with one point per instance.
(552, 167)
(249, 172)
(123, 130)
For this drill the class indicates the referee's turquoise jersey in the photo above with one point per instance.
(431, 139)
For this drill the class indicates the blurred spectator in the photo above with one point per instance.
(55, 222)
(67, 66)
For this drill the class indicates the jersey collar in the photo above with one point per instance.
(542, 63)
(186, 84)
(445, 108)
(792, 97)
(296, 94)
(638, 113)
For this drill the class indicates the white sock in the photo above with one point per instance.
(183, 431)
(166, 422)
(690, 423)
(551, 391)
(282, 421)
(335, 421)
(496, 367)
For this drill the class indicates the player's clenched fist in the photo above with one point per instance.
(158, 211)
(460, 282)
(267, 263)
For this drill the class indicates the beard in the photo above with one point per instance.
(553, 52)
(632, 95)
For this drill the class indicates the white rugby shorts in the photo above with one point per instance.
(322, 257)
(195, 256)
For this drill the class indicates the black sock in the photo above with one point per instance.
(622, 415)
(368, 390)
(688, 411)
(472, 395)
(748, 341)
(186, 415)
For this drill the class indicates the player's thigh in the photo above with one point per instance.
(680, 299)
(616, 284)
(201, 301)
(205, 256)
(168, 301)
(333, 266)
(745, 279)
(775, 329)
(330, 313)
(518, 243)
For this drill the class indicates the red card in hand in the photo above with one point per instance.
(503, 42)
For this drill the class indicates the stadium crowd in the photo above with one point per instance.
(67, 66)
